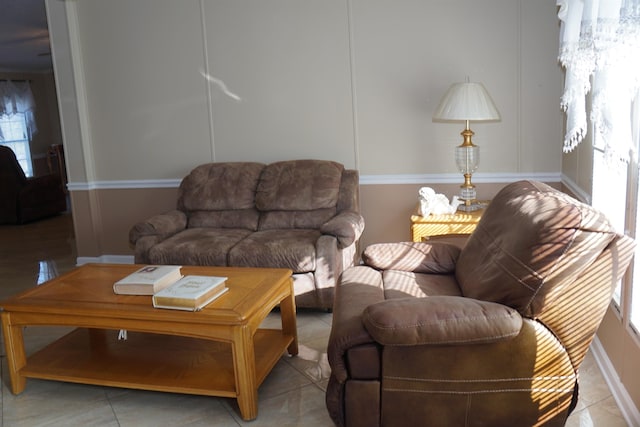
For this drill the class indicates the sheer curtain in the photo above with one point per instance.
(600, 51)
(16, 98)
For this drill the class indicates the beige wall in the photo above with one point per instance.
(354, 81)
(350, 80)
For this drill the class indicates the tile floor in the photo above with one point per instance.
(292, 395)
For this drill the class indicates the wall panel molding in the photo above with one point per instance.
(364, 180)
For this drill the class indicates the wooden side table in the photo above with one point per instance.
(459, 223)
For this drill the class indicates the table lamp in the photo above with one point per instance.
(467, 102)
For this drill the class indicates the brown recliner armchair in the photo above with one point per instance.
(25, 199)
(492, 334)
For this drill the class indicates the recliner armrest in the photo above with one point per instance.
(163, 225)
(417, 257)
(347, 226)
(440, 320)
(359, 287)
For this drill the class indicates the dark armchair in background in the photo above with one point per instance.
(492, 334)
(25, 199)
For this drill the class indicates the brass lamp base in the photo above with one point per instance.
(468, 196)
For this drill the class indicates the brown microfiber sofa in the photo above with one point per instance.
(297, 214)
(492, 334)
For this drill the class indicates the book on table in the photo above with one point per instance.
(148, 280)
(190, 293)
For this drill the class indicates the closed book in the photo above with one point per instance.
(148, 280)
(190, 293)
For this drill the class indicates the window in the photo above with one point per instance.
(599, 47)
(616, 192)
(634, 290)
(17, 120)
(609, 194)
(16, 135)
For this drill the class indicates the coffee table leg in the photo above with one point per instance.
(16, 358)
(244, 364)
(289, 327)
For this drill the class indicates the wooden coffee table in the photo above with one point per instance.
(218, 351)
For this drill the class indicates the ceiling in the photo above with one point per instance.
(24, 36)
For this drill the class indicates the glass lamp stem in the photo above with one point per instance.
(467, 156)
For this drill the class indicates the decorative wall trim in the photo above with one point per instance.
(119, 185)
(364, 180)
(629, 411)
(456, 178)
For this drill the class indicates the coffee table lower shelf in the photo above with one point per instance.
(151, 361)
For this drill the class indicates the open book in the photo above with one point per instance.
(148, 280)
(190, 293)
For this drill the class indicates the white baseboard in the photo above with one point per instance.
(620, 394)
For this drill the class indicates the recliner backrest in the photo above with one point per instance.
(11, 173)
(531, 242)
(549, 256)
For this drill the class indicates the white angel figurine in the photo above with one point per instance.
(437, 204)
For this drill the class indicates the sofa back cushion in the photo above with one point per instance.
(299, 185)
(221, 195)
(530, 243)
(298, 193)
(238, 218)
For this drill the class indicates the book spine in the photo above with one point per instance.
(173, 302)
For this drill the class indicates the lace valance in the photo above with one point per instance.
(16, 97)
(600, 51)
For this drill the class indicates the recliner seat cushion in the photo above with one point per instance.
(197, 246)
(419, 257)
(529, 244)
(403, 284)
(293, 249)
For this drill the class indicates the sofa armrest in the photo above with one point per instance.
(347, 227)
(440, 320)
(417, 257)
(358, 288)
(163, 225)
(42, 184)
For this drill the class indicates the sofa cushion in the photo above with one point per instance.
(220, 186)
(293, 249)
(197, 246)
(531, 241)
(299, 185)
(295, 219)
(237, 218)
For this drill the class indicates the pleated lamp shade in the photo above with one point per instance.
(467, 101)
